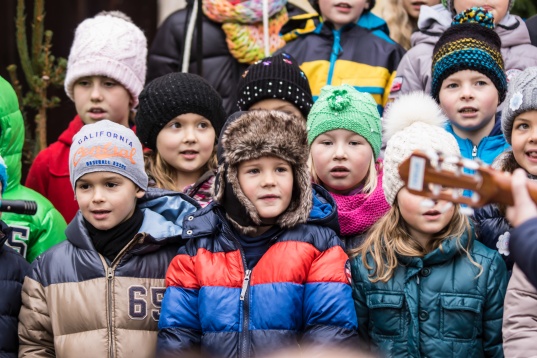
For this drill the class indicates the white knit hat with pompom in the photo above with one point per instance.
(414, 121)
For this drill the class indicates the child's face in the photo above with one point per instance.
(187, 143)
(469, 99)
(341, 159)
(342, 12)
(268, 183)
(498, 8)
(423, 222)
(412, 7)
(278, 105)
(524, 141)
(106, 199)
(99, 97)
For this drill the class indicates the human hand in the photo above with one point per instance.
(524, 208)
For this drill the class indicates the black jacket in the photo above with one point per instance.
(219, 67)
(13, 268)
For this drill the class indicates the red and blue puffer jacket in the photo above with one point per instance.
(297, 294)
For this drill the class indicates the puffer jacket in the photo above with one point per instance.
(361, 55)
(220, 68)
(13, 268)
(298, 293)
(32, 234)
(77, 304)
(493, 230)
(488, 149)
(520, 317)
(49, 173)
(434, 306)
(414, 71)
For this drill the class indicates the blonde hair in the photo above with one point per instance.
(163, 173)
(369, 182)
(390, 237)
(399, 23)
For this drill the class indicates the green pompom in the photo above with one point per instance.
(339, 100)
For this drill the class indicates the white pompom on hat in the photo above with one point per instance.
(414, 121)
(110, 45)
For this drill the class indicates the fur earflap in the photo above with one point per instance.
(257, 134)
(409, 109)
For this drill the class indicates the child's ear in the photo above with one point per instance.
(139, 193)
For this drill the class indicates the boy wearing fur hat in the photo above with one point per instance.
(105, 74)
(259, 272)
(469, 83)
(99, 292)
(414, 70)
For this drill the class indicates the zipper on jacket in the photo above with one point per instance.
(110, 284)
(110, 280)
(244, 335)
(336, 50)
(474, 151)
(245, 283)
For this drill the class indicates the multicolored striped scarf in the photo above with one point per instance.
(242, 23)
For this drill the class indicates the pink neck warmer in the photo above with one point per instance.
(358, 212)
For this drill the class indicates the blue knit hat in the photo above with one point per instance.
(469, 44)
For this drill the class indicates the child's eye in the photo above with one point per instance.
(83, 83)
(204, 125)
(253, 171)
(111, 185)
(175, 125)
(452, 85)
(522, 126)
(326, 142)
(354, 142)
(281, 169)
(109, 83)
(83, 186)
(481, 83)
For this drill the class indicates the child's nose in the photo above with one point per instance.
(96, 94)
(340, 151)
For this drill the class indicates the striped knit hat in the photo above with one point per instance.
(469, 44)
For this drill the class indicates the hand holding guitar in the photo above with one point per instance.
(524, 208)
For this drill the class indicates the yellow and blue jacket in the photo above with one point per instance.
(359, 54)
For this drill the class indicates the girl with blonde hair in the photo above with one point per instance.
(421, 283)
(179, 119)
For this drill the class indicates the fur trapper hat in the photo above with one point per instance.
(414, 121)
(252, 135)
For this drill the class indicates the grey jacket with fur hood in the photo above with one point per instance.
(414, 71)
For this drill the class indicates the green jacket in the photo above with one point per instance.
(32, 234)
(434, 306)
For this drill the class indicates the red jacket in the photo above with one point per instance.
(49, 174)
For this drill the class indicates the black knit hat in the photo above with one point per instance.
(174, 94)
(275, 77)
(469, 44)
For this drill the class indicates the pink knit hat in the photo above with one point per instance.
(111, 45)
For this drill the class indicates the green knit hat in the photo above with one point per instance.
(343, 107)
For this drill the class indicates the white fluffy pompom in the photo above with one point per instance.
(411, 108)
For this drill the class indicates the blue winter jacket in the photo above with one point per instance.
(76, 303)
(13, 267)
(435, 306)
(488, 149)
(297, 294)
(523, 247)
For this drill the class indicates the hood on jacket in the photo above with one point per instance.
(432, 23)
(11, 133)
(164, 212)
(251, 135)
(324, 209)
